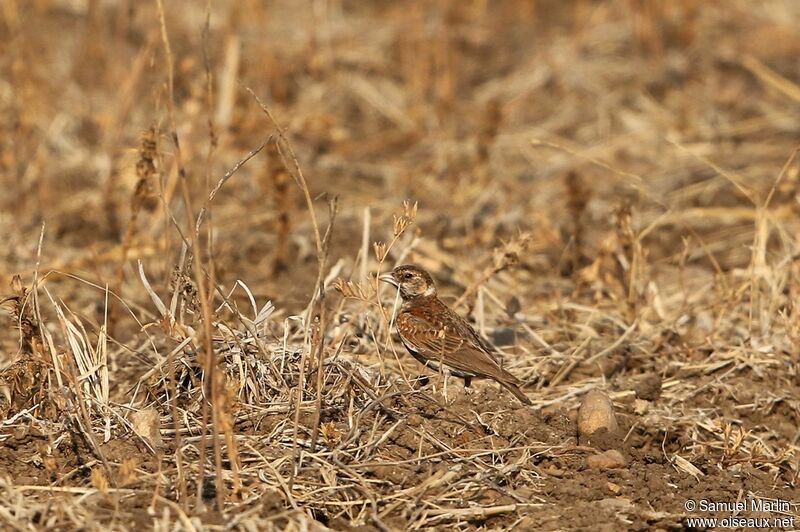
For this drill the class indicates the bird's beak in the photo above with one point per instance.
(388, 278)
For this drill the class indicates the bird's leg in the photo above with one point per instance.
(467, 389)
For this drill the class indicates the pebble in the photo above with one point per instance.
(596, 412)
(611, 459)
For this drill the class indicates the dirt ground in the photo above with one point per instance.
(197, 198)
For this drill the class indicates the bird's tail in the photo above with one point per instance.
(511, 386)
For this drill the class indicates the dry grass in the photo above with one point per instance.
(198, 198)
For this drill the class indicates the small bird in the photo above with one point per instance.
(436, 336)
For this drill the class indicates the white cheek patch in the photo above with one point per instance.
(429, 291)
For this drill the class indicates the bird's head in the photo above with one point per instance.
(412, 281)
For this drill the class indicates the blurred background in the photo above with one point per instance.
(572, 121)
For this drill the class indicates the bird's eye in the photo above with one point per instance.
(408, 275)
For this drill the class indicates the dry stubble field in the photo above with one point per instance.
(607, 189)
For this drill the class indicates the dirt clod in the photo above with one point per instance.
(650, 388)
(610, 459)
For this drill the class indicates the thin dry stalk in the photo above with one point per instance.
(210, 363)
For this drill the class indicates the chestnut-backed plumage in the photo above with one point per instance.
(437, 336)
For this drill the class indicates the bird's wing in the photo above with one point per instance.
(451, 344)
(478, 341)
(430, 339)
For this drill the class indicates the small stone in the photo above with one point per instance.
(611, 459)
(596, 412)
(618, 503)
(147, 425)
(503, 336)
(614, 488)
(555, 472)
(640, 407)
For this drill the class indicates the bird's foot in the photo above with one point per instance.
(420, 382)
